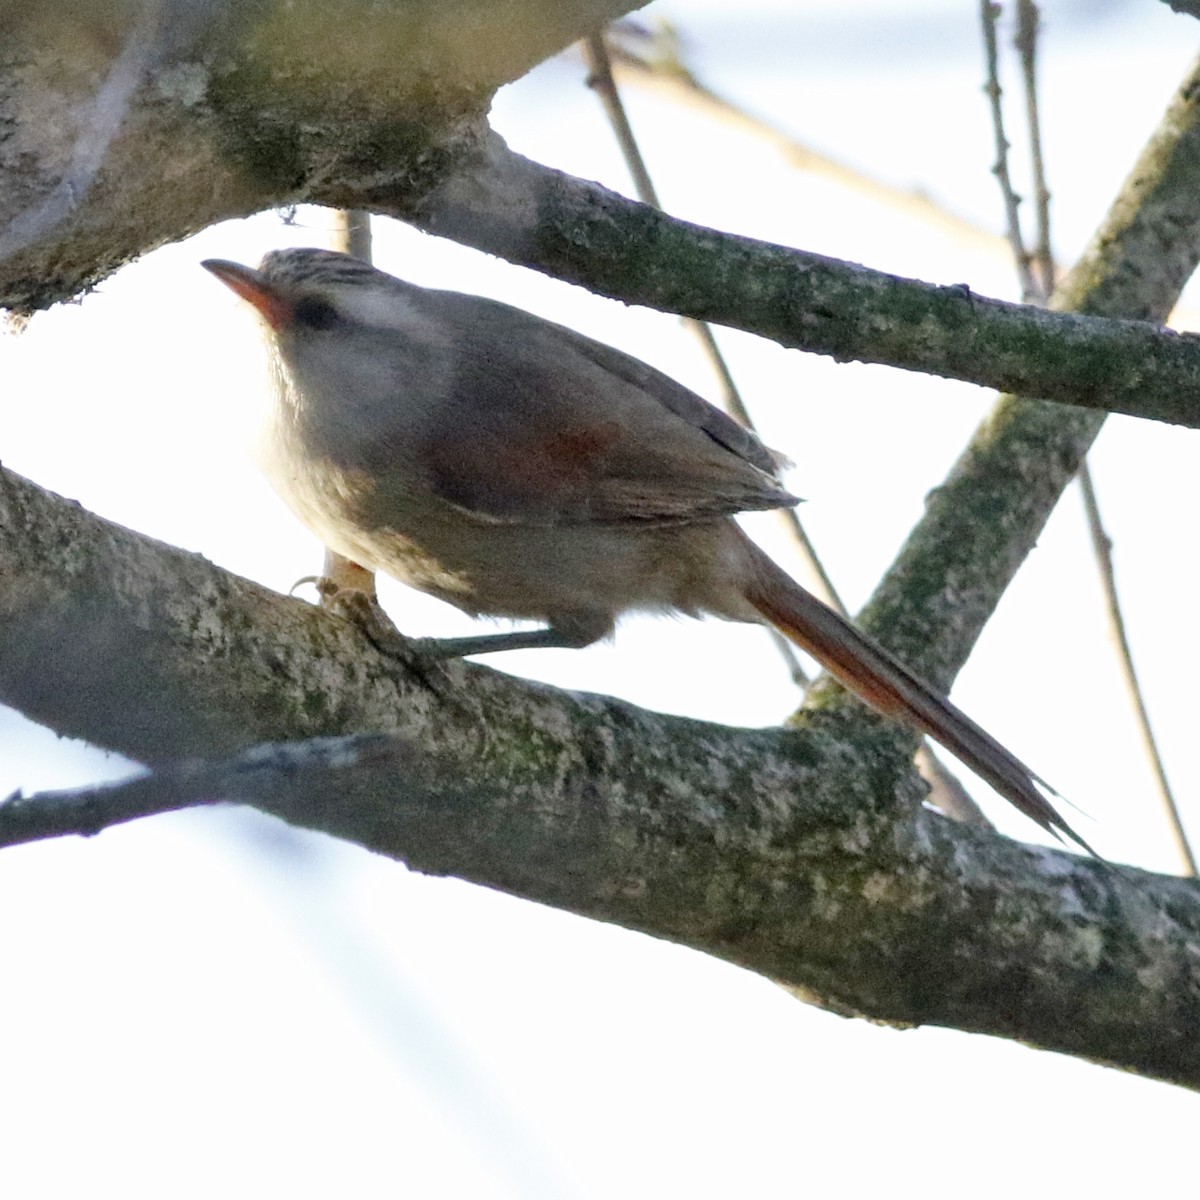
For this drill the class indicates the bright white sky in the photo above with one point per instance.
(213, 1004)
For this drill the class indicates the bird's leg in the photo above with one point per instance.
(567, 631)
(490, 643)
(364, 611)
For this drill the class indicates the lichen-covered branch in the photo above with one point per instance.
(133, 123)
(580, 231)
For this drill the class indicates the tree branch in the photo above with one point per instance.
(581, 232)
(726, 843)
(249, 778)
(134, 123)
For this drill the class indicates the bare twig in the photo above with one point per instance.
(352, 232)
(248, 777)
(989, 13)
(1025, 41)
(600, 79)
(649, 59)
(1102, 548)
(946, 791)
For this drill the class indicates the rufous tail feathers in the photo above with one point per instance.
(867, 670)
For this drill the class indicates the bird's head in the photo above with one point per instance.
(304, 291)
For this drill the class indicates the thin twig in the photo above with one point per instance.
(650, 61)
(1102, 547)
(352, 232)
(1025, 42)
(600, 79)
(246, 778)
(989, 13)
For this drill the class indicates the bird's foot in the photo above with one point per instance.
(348, 578)
(364, 611)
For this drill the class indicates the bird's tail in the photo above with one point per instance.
(865, 668)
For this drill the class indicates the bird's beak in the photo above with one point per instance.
(274, 308)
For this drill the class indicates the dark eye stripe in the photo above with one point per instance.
(314, 313)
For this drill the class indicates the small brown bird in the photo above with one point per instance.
(515, 468)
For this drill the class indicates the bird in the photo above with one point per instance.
(516, 468)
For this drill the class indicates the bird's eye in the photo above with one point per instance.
(314, 313)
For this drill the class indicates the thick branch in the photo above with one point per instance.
(136, 122)
(721, 840)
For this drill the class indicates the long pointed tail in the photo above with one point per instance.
(865, 668)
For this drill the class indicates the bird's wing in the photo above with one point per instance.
(555, 428)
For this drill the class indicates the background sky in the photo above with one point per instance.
(213, 1003)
